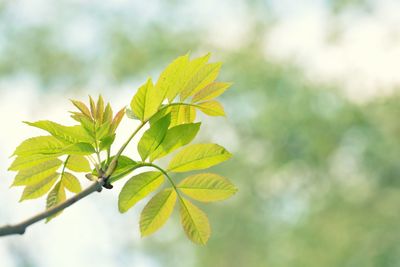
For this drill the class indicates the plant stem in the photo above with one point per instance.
(20, 228)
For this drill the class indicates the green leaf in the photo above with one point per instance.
(39, 189)
(156, 213)
(211, 108)
(125, 166)
(78, 164)
(211, 91)
(78, 149)
(56, 196)
(24, 162)
(137, 188)
(207, 187)
(175, 138)
(106, 142)
(171, 80)
(197, 157)
(37, 173)
(40, 145)
(153, 137)
(204, 76)
(71, 182)
(194, 222)
(68, 134)
(146, 101)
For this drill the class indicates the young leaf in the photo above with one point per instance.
(175, 138)
(194, 222)
(82, 107)
(212, 108)
(39, 189)
(146, 101)
(137, 188)
(207, 187)
(153, 137)
(68, 134)
(197, 157)
(117, 120)
(156, 213)
(100, 109)
(211, 91)
(55, 197)
(78, 164)
(206, 75)
(37, 173)
(71, 182)
(92, 107)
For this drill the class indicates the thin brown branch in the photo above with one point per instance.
(20, 228)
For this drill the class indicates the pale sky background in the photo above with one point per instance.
(363, 60)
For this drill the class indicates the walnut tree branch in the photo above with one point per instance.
(20, 228)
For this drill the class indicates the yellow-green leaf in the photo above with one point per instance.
(68, 134)
(194, 222)
(37, 173)
(39, 189)
(211, 91)
(181, 114)
(137, 188)
(156, 213)
(24, 162)
(207, 187)
(100, 109)
(78, 149)
(56, 196)
(175, 138)
(204, 76)
(172, 78)
(153, 137)
(71, 182)
(82, 107)
(146, 101)
(125, 165)
(197, 157)
(211, 108)
(78, 163)
(40, 145)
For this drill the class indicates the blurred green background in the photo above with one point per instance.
(315, 155)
